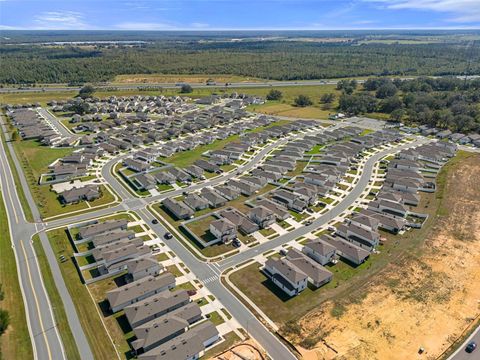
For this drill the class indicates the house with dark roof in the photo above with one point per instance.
(143, 267)
(75, 195)
(347, 250)
(317, 274)
(155, 306)
(138, 290)
(285, 275)
(178, 208)
(189, 345)
(195, 202)
(262, 216)
(320, 251)
(360, 236)
(213, 198)
(242, 223)
(279, 211)
(89, 231)
(223, 230)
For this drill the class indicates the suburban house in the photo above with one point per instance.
(289, 199)
(190, 345)
(347, 250)
(320, 251)
(262, 216)
(364, 238)
(86, 193)
(138, 290)
(213, 198)
(317, 274)
(223, 229)
(286, 276)
(178, 208)
(195, 202)
(279, 211)
(243, 224)
(87, 232)
(140, 268)
(155, 306)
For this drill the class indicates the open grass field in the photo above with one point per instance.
(57, 305)
(180, 78)
(15, 342)
(87, 311)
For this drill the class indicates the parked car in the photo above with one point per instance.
(309, 222)
(168, 235)
(154, 221)
(471, 346)
(191, 292)
(236, 243)
(283, 252)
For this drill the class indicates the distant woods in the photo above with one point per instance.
(278, 60)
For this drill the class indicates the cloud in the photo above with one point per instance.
(463, 11)
(144, 26)
(61, 20)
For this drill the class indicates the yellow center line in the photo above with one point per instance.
(36, 301)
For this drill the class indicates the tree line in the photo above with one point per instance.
(446, 103)
(279, 60)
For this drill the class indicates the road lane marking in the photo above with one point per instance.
(36, 301)
(8, 191)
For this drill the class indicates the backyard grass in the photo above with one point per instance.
(56, 301)
(15, 342)
(186, 158)
(98, 339)
(174, 270)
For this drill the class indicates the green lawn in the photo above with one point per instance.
(15, 342)
(186, 158)
(57, 305)
(100, 344)
(215, 318)
(35, 159)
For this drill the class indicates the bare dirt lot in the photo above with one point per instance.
(426, 300)
(246, 350)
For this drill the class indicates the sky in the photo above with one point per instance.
(238, 14)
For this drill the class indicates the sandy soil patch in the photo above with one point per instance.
(248, 350)
(426, 302)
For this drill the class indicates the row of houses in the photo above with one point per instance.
(459, 138)
(31, 126)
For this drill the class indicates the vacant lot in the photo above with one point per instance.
(427, 299)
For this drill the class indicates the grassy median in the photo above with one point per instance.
(15, 342)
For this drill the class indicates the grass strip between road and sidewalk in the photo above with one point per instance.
(15, 343)
(97, 336)
(61, 320)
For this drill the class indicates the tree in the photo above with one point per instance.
(327, 98)
(274, 95)
(86, 91)
(386, 90)
(302, 101)
(4, 320)
(186, 89)
(15, 137)
(80, 108)
(397, 115)
(390, 104)
(358, 103)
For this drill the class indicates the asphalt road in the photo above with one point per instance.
(461, 354)
(46, 341)
(57, 126)
(174, 86)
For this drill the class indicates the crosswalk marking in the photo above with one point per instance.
(210, 279)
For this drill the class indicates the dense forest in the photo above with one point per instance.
(446, 103)
(279, 60)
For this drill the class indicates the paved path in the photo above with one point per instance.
(461, 354)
